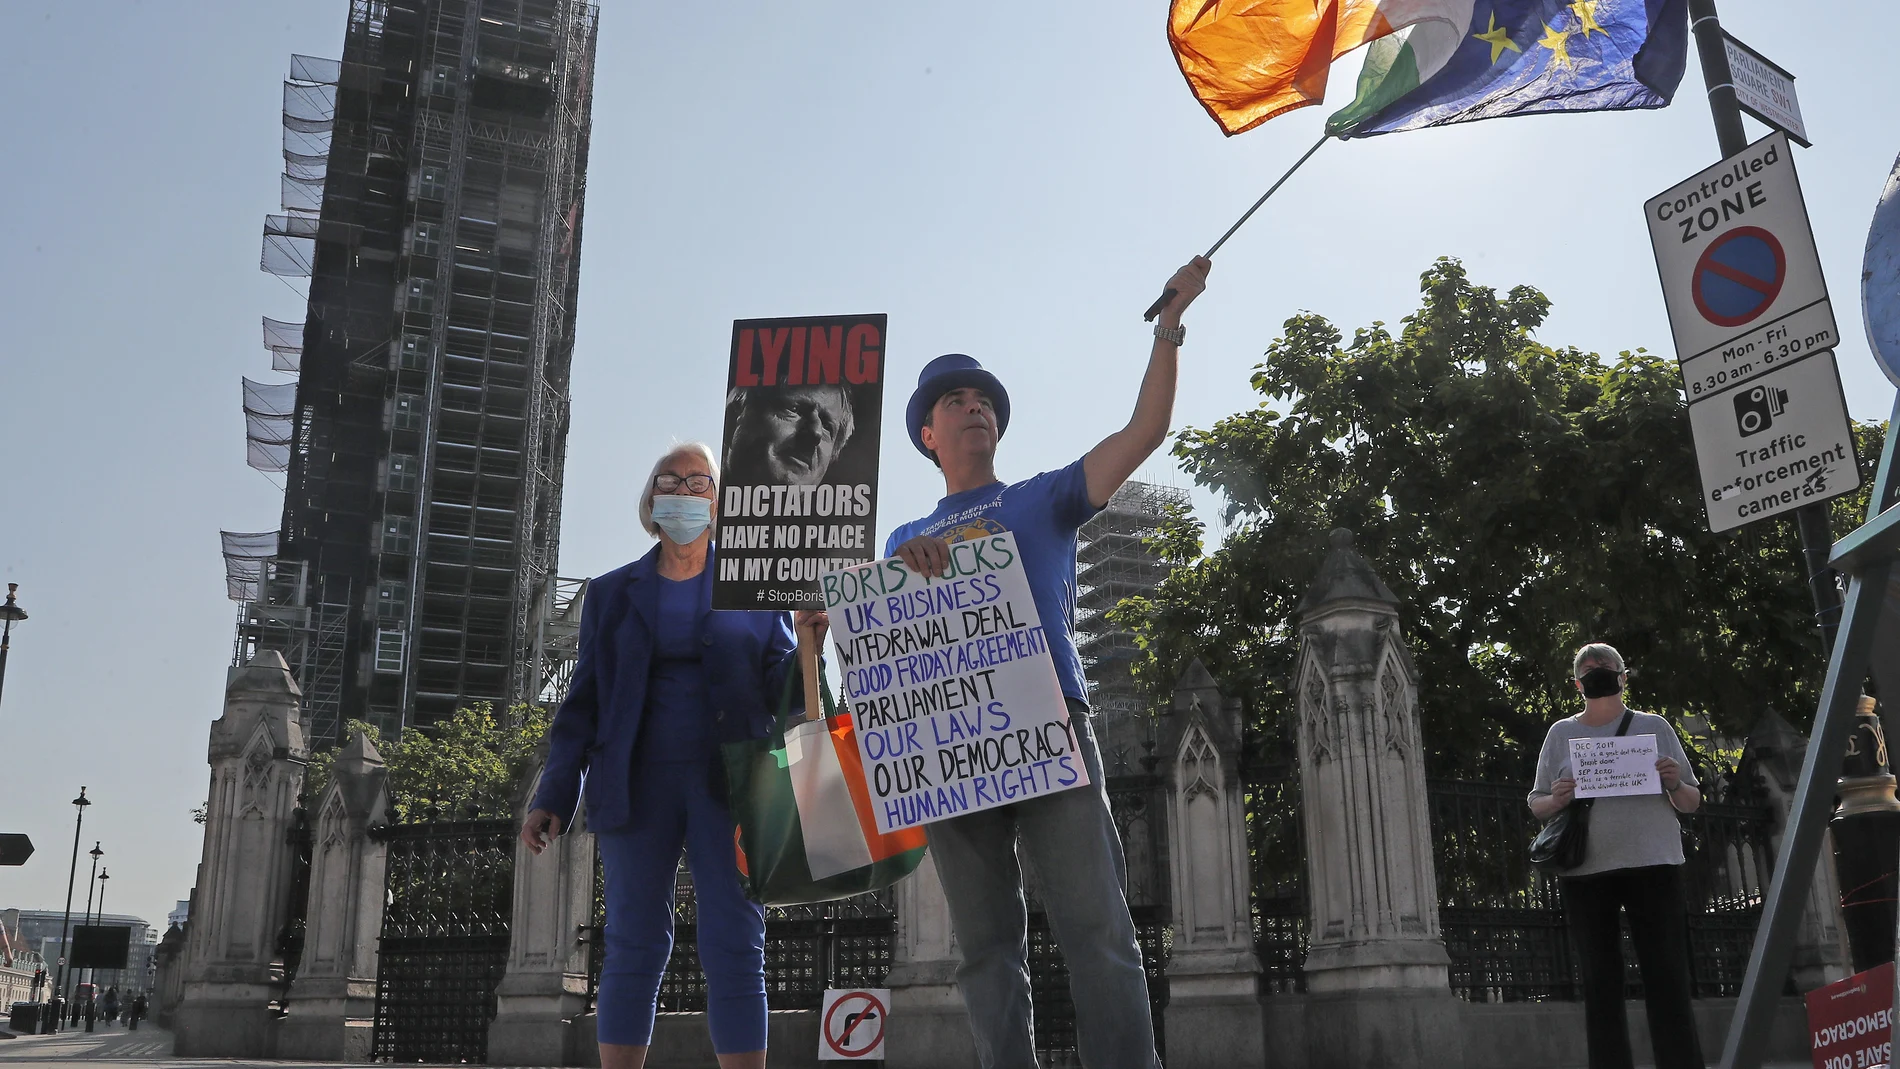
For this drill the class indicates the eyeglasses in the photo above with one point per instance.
(668, 483)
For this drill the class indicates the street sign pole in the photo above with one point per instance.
(1868, 556)
(1848, 662)
(1811, 521)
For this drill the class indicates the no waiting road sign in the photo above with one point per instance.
(1740, 275)
(851, 1025)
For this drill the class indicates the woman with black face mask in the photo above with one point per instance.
(1632, 864)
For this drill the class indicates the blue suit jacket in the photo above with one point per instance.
(748, 655)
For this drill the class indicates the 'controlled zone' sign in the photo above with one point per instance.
(1754, 334)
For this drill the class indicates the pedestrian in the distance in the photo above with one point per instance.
(1632, 865)
(956, 417)
(111, 1005)
(660, 683)
(138, 1011)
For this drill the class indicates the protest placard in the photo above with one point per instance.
(1624, 764)
(804, 401)
(1851, 1021)
(951, 688)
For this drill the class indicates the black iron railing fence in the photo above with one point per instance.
(1502, 919)
(807, 949)
(449, 900)
(1278, 846)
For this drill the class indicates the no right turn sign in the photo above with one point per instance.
(851, 1025)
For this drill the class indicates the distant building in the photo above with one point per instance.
(1113, 564)
(179, 914)
(39, 929)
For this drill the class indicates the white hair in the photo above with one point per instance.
(1597, 651)
(698, 449)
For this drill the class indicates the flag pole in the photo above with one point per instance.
(1168, 294)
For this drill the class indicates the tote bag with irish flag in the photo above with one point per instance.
(805, 829)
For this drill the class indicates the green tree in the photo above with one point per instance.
(470, 763)
(1519, 499)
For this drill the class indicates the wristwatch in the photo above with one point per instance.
(1175, 335)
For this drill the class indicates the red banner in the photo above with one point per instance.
(1850, 1022)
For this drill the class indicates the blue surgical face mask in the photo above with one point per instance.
(682, 518)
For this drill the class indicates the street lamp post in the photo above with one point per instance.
(103, 877)
(9, 612)
(59, 985)
(91, 881)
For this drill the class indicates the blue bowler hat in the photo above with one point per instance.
(952, 371)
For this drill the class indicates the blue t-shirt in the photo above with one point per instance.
(678, 724)
(1043, 513)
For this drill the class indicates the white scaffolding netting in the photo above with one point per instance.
(306, 150)
(304, 167)
(244, 557)
(312, 69)
(290, 245)
(269, 424)
(309, 121)
(285, 342)
(302, 194)
(309, 108)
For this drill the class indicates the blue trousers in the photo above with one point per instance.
(677, 806)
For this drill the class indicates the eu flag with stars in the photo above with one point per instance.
(1519, 57)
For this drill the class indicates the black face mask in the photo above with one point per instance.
(1601, 682)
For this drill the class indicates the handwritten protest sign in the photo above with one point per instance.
(952, 692)
(1625, 764)
(804, 400)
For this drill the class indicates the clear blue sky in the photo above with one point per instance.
(1012, 185)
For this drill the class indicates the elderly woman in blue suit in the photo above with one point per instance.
(661, 682)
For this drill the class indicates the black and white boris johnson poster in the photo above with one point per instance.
(804, 400)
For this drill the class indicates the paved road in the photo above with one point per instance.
(148, 1044)
(147, 1048)
(152, 1047)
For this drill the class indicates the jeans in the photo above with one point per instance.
(1652, 897)
(1070, 839)
(679, 805)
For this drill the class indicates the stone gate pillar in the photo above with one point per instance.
(1214, 1013)
(257, 756)
(544, 988)
(1376, 967)
(332, 1004)
(1773, 756)
(934, 1032)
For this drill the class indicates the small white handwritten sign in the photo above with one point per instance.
(1623, 764)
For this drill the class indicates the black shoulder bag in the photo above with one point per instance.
(1560, 844)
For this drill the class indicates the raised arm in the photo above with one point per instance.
(1117, 456)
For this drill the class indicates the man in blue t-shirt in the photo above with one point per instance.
(956, 417)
